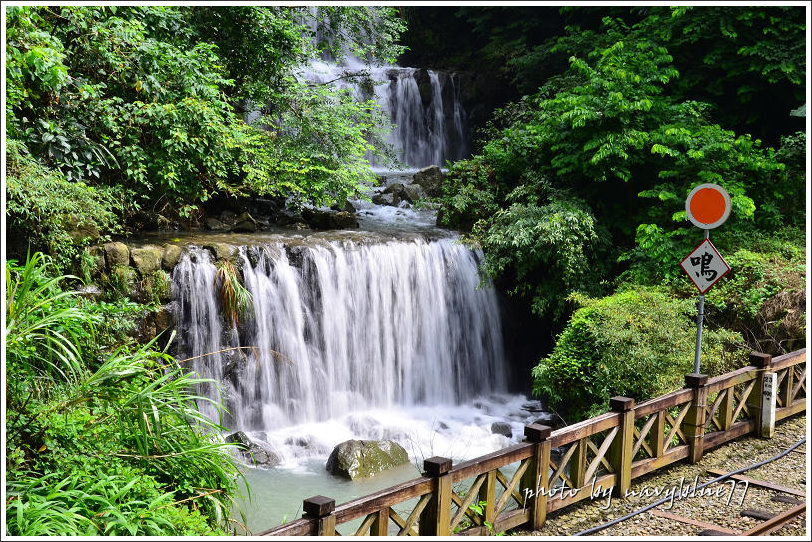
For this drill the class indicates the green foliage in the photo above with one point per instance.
(608, 133)
(149, 103)
(49, 212)
(102, 438)
(638, 343)
(551, 249)
(161, 286)
(44, 327)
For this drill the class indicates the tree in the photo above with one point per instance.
(150, 101)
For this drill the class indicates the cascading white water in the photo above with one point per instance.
(336, 327)
(429, 121)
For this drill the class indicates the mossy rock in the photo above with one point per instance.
(146, 260)
(170, 257)
(116, 254)
(222, 251)
(363, 458)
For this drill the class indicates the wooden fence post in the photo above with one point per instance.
(694, 423)
(435, 520)
(620, 450)
(321, 508)
(487, 493)
(763, 362)
(578, 463)
(535, 482)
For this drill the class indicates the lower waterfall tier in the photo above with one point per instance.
(337, 326)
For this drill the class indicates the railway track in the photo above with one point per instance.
(721, 503)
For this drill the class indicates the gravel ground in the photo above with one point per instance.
(710, 507)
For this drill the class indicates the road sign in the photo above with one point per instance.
(708, 206)
(705, 266)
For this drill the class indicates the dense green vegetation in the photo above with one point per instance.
(580, 185)
(114, 113)
(103, 436)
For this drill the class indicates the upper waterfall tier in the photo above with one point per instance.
(339, 326)
(424, 107)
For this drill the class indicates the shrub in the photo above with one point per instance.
(102, 439)
(638, 343)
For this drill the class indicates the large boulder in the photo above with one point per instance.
(254, 452)
(346, 206)
(413, 192)
(170, 257)
(116, 253)
(384, 199)
(245, 223)
(328, 220)
(146, 259)
(431, 179)
(214, 224)
(221, 251)
(345, 219)
(362, 458)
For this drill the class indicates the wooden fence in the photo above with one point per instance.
(553, 469)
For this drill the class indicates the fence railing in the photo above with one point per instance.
(521, 484)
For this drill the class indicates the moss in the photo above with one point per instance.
(124, 281)
(161, 286)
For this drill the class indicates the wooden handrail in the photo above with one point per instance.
(694, 425)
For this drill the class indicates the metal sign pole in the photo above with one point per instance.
(699, 320)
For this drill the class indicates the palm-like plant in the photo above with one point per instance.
(234, 298)
(44, 325)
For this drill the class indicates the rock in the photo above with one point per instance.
(384, 199)
(347, 207)
(286, 217)
(146, 259)
(216, 225)
(221, 251)
(413, 192)
(431, 179)
(170, 257)
(245, 223)
(254, 452)
(502, 428)
(328, 220)
(319, 220)
(533, 406)
(344, 219)
(394, 188)
(116, 253)
(80, 232)
(228, 217)
(362, 458)
(164, 319)
(91, 291)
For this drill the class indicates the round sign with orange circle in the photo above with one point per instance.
(708, 206)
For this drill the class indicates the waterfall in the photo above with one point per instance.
(424, 107)
(342, 326)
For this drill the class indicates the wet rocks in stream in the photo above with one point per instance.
(363, 458)
(254, 452)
